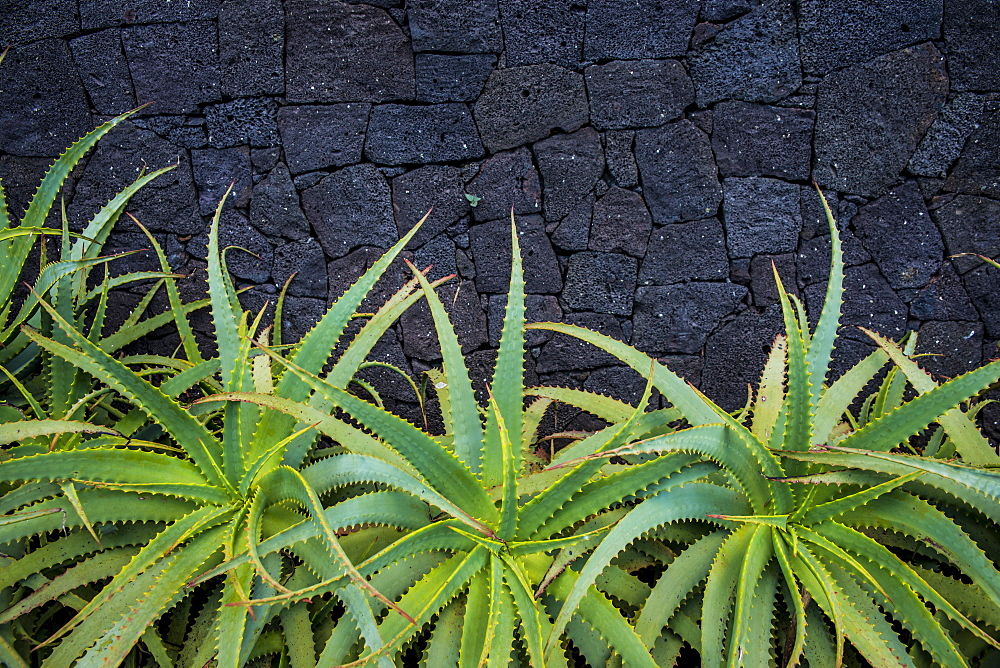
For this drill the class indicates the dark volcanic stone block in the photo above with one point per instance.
(255, 265)
(869, 302)
(620, 158)
(977, 171)
(344, 272)
(813, 263)
(755, 58)
(944, 298)
(871, 116)
(969, 225)
(336, 52)
(420, 340)
(679, 318)
(305, 259)
(762, 284)
(573, 231)
(973, 44)
(246, 121)
(839, 33)
(274, 206)
(944, 141)
(685, 252)
(679, 177)
(452, 78)
(439, 254)
(461, 26)
(215, 170)
(600, 282)
(400, 134)
(43, 107)
(620, 382)
(761, 140)
(570, 166)
(567, 352)
(508, 179)
(983, 286)
(490, 244)
(350, 208)
(252, 47)
(637, 94)
(543, 32)
(900, 235)
(620, 223)
(720, 11)
(33, 20)
(104, 13)
(735, 356)
(418, 191)
(167, 204)
(330, 135)
(299, 315)
(956, 347)
(537, 308)
(520, 105)
(761, 216)
(633, 29)
(101, 64)
(175, 65)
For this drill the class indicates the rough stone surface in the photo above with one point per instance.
(175, 65)
(274, 206)
(600, 282)
(839, 33)
(761, 140)
(685, 252)
(344, 272)
(868, 302)
(461, 26)
(299, 315)
(955, 347)
(977, 171)
(433, 188)
(508, 179)
(900, 235)
(634, 29)
(538, 308)
(169, 203)
(621, 223)
(439, 255)
(251, 47)
(871, 116)
(720, 11)
(619, 157)
(679, 318)
(570, 166)
(761, 216)
(33, 20)
(215, 170)
(973, 44)
(43, 107)
(323, 136)
(735, 355)
(637, 94)
(572, 233)
(352, 207)
(450, 77)
(762, 284)
(679, 178)
(305, 259)
(943, 143)
(543, 32)
(969, 225)
(399, 134)
(105, 13)
(566, 352)
(251, 256)
(755, 58)
(490, 243)
(983, 286)
(337, 52)
(944, 298)
(620, 382)
(520, 105)
(245, 121)
(101, 64)
(420, 340)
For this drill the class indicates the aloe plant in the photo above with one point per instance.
(815, 532)
(464, 528)
(158, 494)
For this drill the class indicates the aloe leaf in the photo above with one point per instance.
(842, 392)
(605, 407)
(747, 604)
(12, 432)
(798, 400)
(445, 641)
(771, 391)
(821, 346)
(696, 501)
(971, 444)
(843, 504)
(123, 337)
(500, 626)
(791, 589)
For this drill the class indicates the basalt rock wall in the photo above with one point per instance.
(659, 157)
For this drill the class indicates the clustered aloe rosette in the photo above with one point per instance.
(281, 516)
